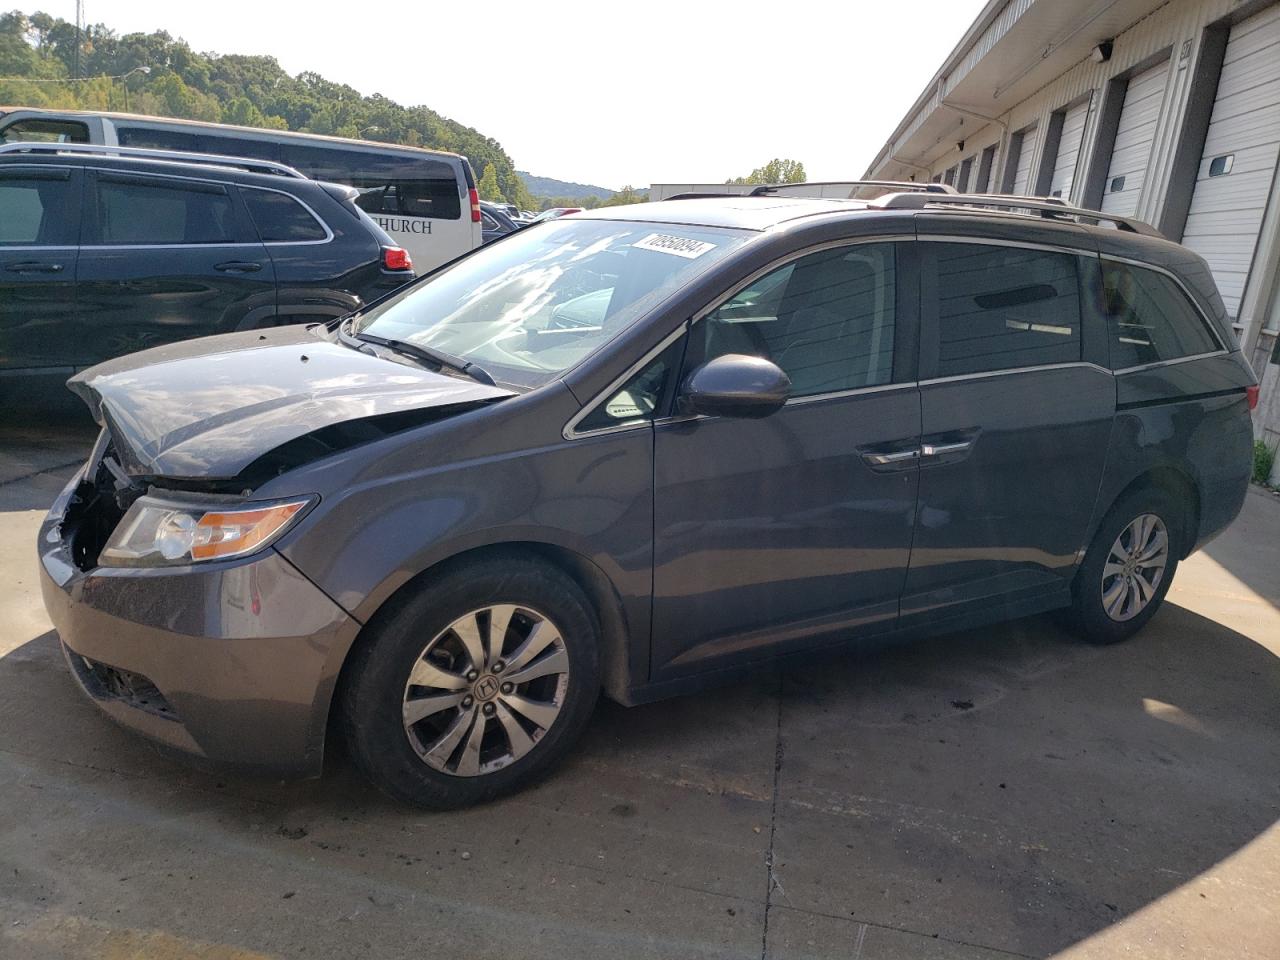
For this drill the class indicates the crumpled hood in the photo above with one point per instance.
(206, 409)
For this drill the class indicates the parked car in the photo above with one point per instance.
(426, 199)
(555, 213)
(641, 450)
(107, 250)
(496, 221)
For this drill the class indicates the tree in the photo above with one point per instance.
(625, 196)
(488, 185)
(775, 171)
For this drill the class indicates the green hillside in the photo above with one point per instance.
(251, 90)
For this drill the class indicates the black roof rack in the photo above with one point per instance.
(1050, 208)
(908, 185)
(772, 189)
(247, 164)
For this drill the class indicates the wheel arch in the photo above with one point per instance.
(1178, 483)
(615, 669)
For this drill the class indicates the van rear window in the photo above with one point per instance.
(388, 183)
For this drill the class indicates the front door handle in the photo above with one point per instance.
(877, 459)
(34, 266)
(238, 266)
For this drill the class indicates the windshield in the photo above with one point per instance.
(532, 306)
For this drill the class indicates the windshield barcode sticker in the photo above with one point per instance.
(676, 246)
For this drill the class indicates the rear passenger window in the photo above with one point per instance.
(36, 210)
(827, 319)
(158, 212)
(1150, 318)
(280, 218)
(999, 308)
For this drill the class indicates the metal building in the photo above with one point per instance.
(1166, 111)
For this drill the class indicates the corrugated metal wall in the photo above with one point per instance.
(1169, 40)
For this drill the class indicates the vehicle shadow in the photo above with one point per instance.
(1005, 787)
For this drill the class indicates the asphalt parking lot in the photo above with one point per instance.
(998, 793)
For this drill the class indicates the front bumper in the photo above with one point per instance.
(232, 662)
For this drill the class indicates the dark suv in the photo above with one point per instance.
(640, 450)
(107, 250)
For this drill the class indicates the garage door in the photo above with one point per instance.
(1134, 136)
(1022, 177)
(1064, 167)
(1239, 162)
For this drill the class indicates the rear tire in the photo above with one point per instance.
(1128, 567)
(474, 686)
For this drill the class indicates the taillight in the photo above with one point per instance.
(396, 258)
(475, 205)
(1252, 394)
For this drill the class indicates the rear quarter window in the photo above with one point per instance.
(280, 218)
(1150, 319)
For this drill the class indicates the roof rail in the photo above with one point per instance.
(1050, 208)
(173, 156)
(768, 189)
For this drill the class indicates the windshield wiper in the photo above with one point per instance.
(431, 355)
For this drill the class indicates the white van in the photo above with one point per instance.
(426, 199)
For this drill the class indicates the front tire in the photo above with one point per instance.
(473, 686)
(1128, 567)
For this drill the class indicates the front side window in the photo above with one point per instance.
(827, 319)
(35, 210)
(45, 131)
(1000, 308)
(144, 211)
(1149, 318)
(280, 218)
(545, 298)
(641, 398)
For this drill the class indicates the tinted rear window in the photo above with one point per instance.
(280, 218)
(194, 141)
(1150, 318)
(36, 210)
(138, 211)
(999, 308)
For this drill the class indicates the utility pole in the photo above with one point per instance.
(75, 61)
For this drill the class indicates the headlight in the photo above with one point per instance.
(164, 532)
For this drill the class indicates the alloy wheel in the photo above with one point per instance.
(1135, 567)
(486, 689)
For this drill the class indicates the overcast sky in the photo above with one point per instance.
(600, 92)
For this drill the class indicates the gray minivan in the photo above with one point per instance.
(639, 450)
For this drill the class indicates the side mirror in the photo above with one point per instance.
(735, 385)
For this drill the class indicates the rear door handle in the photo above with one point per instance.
(34, 266)
(888, 459)
(942, 449)
(238, 266)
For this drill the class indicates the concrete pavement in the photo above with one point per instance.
(1004, 792)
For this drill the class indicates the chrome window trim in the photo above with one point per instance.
(856, 391)
(1070, 365)
(1001, 242)
(1209, 324)
(37, 246)
(570, 433)
(1168, 363)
